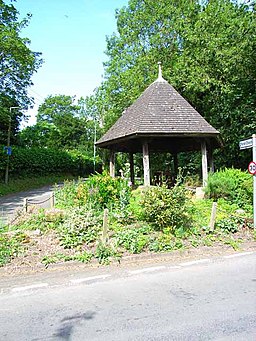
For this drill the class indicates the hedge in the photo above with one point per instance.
(44, 161)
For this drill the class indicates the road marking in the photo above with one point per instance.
(194, 262)
(239, 254)
(29, 287)
(87, 279)
(156, 268)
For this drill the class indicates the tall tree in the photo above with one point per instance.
(207, 49)
(17, 65)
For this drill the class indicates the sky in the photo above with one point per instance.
(72, 38)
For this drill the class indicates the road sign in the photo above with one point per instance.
(245, 144)
(252, 167)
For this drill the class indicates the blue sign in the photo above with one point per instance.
(8, 150)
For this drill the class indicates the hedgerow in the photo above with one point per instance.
(43, 161)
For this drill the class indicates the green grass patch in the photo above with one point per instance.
(24, 184)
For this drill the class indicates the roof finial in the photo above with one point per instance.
(160, 77)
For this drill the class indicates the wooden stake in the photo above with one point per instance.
(105, 226)
(25, 204)
(213, 216)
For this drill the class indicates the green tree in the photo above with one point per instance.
(207, 50)
(17, 65)
(64, 124)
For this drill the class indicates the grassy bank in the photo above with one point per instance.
(23, 184)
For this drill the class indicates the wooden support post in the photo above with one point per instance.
(52, 200)
(25, 204)
(112, 164)
(213, 216)
(105, 226)
(146, 164)
(131, 168)
(204, 163)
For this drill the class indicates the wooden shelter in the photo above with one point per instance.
(160, 120)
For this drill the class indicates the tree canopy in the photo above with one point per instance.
(17, 65)
(63, 123)
(207, 50)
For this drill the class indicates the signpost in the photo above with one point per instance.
(246, 144)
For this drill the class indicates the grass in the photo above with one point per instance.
(19, 185)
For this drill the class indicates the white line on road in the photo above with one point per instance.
(29, 287)
(87, 279)
(194, 262)
(239, 254)
(156, 268)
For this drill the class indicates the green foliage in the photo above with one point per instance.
(84, 257)
(11, 245)
(80, 227)
(99, 191)
(207, 50)
(19, 185)
(17, 66)
(104, 253)
(232, 184)
(166, 207)
(44, 161)
(135, 239)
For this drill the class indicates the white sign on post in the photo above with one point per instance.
(245, 144)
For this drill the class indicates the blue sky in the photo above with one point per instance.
(72, 38)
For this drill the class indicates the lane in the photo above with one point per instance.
(208, 301)
(10, 204)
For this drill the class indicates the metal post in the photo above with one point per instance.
(254, 179)
(8, 146)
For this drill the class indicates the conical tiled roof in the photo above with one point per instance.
(159, 111)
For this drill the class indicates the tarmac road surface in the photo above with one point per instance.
(203, 300)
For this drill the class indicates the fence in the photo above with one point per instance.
(46, 203)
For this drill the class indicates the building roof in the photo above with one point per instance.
(160, 111)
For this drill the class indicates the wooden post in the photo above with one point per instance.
(213, 216)
(105, 226)
(146, 164)
(112, 164)
(52, 200)
(131, 168)
(25, 204)
(204, 163)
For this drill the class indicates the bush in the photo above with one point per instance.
(166, 207)
(232, 184)
(99, 191)
(79, 227)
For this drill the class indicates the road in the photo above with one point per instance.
(207, 300)
(10, 204)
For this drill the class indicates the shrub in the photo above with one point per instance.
(79, 227)
(166, 207)
(232, 184)
(99, 191)
(133, 239)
